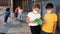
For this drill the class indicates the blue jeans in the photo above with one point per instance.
(19, 16)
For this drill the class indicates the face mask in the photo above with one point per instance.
(49, 11)
(35, 11)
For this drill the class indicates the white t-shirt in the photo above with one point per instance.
(33, 16)
(20, 11)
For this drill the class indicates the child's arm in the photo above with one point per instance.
(41, 23)
(54, 28)
(44, 19)
(29, 21)
(55, 24)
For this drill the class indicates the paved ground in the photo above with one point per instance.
(13, 26)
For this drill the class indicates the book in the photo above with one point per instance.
(37, 21)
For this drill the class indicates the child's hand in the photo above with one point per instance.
(41, 23)
(53, 33)
(32, 21)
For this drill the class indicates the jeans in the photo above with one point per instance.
(19, 16)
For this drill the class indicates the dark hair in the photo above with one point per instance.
(49, 6)
(37, 6)
(8, 9)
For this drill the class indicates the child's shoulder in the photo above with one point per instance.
(29, 12)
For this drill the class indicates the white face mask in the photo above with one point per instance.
(48, 11)
(35, 11)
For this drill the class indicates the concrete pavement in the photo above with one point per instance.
(13, 26)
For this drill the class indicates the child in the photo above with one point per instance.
(35, 29)
(7, 14)
(50, 20)
(20, 14)
(16, 11)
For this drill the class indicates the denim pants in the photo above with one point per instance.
(19, 16)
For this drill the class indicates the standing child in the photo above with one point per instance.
(7, 14)
(35, 28)
(20, 14)
(50, 20)
(16, 11)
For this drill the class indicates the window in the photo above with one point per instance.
(5, 2)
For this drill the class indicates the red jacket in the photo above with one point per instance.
(16, 11)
